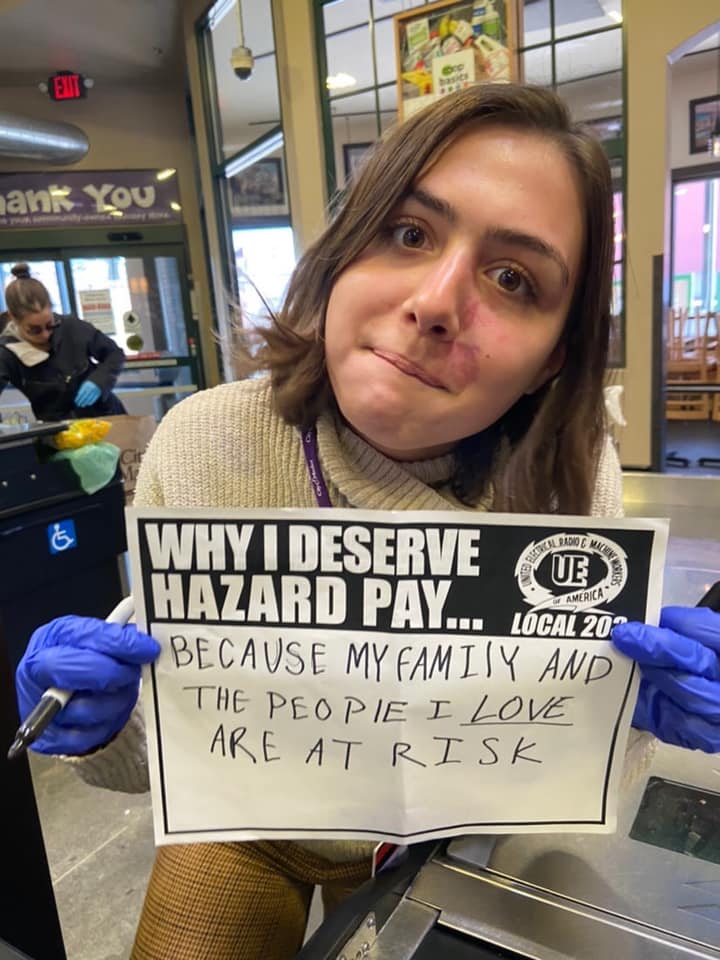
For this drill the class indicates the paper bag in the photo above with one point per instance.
(132, 435)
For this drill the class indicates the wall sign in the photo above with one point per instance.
(65, 85)
(87, 198)
(61, 536)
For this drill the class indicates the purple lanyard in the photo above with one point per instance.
(310, 449)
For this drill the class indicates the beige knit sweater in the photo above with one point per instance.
(226, 447)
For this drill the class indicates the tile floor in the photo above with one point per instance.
(100, 844)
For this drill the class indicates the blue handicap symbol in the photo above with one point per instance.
(62, 536)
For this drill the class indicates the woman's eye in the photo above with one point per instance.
(512, 281)
(409, 235)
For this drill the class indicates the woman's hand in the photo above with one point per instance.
(100, 662)
(87, 394)
(679, 698)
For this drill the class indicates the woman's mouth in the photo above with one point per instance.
(409, 368)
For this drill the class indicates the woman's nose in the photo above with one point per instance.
(440, 298)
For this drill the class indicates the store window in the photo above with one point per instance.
(572, 46)
(248, 146)
(696, 245)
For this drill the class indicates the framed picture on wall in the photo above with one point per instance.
(704, 115)
(444, 47)
(261, 185)
(352, 155)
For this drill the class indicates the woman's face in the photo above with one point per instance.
(457, 309)
(36, 328)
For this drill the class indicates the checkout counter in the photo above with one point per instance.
(150, 383)
(650, 891)
(60, 551)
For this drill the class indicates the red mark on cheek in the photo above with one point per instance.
(474, 314)
(463, 364)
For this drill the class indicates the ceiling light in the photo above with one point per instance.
(340, 81)
(166, 173)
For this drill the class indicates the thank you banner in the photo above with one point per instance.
(88, 198)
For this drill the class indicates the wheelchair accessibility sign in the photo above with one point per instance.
(62, 536)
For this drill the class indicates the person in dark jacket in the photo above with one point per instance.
(66, 367)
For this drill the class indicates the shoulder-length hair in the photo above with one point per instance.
(542, 454)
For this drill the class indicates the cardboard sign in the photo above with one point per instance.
(389, 676)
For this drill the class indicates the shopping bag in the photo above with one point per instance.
(131, 435)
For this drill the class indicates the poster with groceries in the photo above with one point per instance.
(444, 47)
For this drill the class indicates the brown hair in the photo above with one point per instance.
(25, 294)
(549, 442)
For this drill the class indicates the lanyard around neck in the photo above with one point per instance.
(317, 481)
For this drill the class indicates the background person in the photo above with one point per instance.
(444, 344)
(65, 367)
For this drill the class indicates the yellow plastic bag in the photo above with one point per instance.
(80, 433)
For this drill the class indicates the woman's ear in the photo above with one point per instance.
(553, 366)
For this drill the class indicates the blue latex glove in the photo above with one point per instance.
(99, 661)
(679, 698)
(88, 393)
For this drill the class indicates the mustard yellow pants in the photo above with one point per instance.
(236, 901)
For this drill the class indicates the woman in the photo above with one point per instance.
(64, 366)
(442, 345)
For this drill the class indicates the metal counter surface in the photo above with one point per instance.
(591, 896)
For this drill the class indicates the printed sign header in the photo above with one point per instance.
(87, 198)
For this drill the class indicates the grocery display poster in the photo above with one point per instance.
(445, 47)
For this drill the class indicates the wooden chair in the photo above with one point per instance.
(689, 359)
(714, 367)
(714, 374)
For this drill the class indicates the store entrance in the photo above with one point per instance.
(136, 293)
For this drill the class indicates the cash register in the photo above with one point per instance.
(60, 546)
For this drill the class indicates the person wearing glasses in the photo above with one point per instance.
(66, 367)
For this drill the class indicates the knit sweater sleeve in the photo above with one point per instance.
(607, 502)
(122, 764)
(607, 495)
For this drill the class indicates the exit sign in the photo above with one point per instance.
(66, 86)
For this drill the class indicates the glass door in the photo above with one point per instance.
(139, 297)
(692, 330)
(48, 269)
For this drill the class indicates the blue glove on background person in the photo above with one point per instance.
(87, 394)
(679, 698)
(97, 660)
